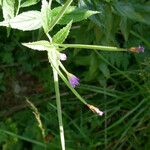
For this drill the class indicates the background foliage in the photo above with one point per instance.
(116, 82)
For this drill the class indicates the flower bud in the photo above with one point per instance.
(95, 110)
(136, 49)
(62, 56)
(73, 80)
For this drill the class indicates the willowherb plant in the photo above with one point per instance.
(47, 18)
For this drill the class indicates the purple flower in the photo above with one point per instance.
(73, 80)
(137, 49)
(140, 49)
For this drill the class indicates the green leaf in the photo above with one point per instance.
(1, 77)
(73, 13)
(60, 1)
(144, 10)
(26, 21)
(60, 14)
(93, 67)
(62, 34)
(121, 60)
(125, 26)
(38, 45)
(7, 58)
(27, 3)
(46, 15)
(82, 61)
(8, 7)
(104, 69)
(127, 10)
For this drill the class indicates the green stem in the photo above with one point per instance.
(60, 14)
(62, 67)
(52, 56)
(66, 82)
(96, 47)
(59, 111)
(71, 88)
(23, 138)
(49, 37)
(50, 3)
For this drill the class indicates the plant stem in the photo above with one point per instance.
(67, 83)
(49, 37)
(50, 3)
(63, 68)
(52, 56)
(60, 14)
(59, 111)
(96, 47)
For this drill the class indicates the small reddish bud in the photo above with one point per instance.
(95, 110)
(136, 49)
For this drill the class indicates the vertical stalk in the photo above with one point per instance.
(50, 3)
(52, 56)
(59, 111)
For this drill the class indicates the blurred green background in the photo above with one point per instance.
(117, 82)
